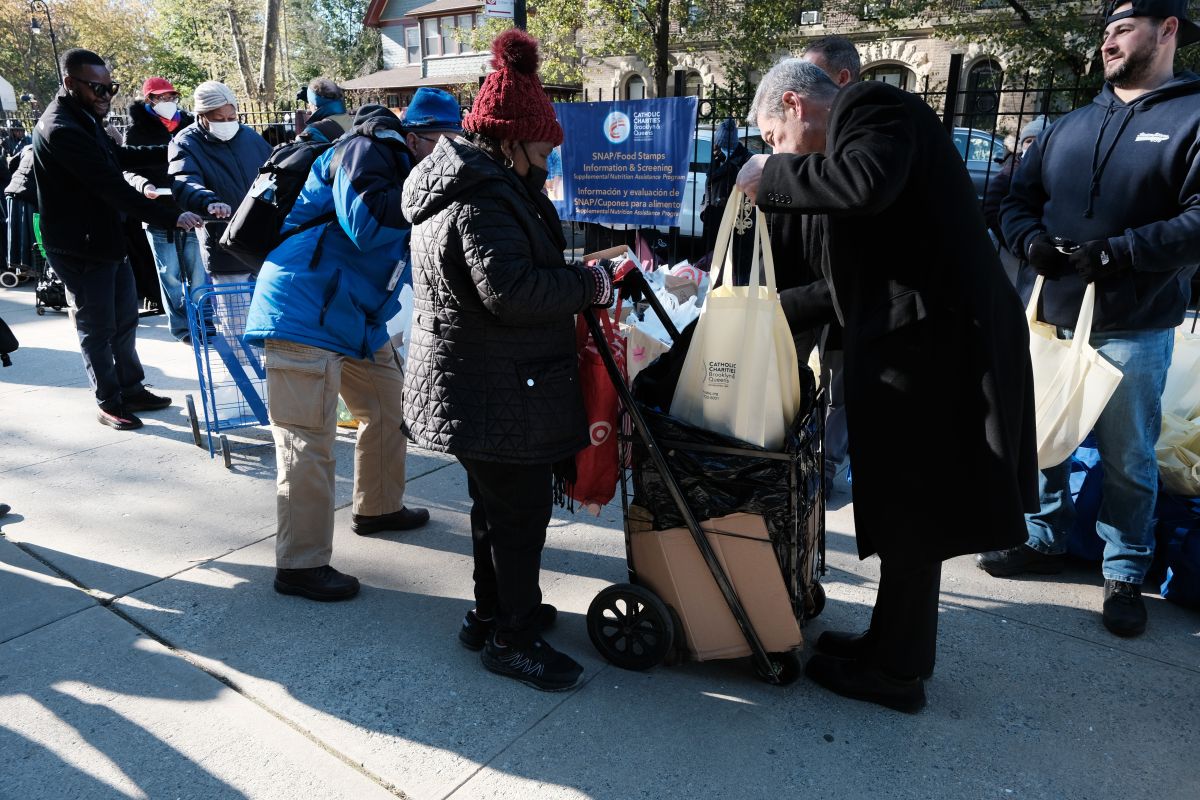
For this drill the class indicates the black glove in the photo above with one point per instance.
(602, 284)
(1046, 258)
(1098, 259)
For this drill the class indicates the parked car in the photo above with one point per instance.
(984, 154)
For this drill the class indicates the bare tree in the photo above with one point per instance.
(270, 47)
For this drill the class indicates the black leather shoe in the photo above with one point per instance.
(144, 400)
(1124, 611)
(403, 520)
(474, 631)
(316, 583)
(861, 680)
(1019, 560)
(844, 644)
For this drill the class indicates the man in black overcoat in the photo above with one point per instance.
(939, 390)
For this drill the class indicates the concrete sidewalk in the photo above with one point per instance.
(143, 652)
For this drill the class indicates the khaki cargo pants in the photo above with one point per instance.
(303, 384)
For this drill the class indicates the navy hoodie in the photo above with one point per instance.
(1128, 173)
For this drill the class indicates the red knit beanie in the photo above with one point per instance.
(512, 104)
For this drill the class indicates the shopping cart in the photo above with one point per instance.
(680, 589)
(233, 378)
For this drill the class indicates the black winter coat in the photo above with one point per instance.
(939, 389)
(147, 129)
(81, 187)
(491, 371)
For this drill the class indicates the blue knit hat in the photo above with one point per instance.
(726, 136)
(433, 110)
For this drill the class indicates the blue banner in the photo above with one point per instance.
(624, 162)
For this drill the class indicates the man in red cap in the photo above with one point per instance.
(154, 120)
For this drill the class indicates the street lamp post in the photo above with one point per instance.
(36, 27)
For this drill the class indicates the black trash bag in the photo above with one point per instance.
(783, 491)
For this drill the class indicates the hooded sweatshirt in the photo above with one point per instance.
(1128, 173)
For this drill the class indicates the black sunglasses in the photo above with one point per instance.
(100, 89)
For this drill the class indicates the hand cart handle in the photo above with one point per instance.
(633, 284)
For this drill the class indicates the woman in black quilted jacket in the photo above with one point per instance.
(491, 376)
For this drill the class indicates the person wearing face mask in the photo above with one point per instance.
(213, 162)
(82, 195)
(492, 376)
(154, 120)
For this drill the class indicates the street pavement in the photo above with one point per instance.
(143, 653)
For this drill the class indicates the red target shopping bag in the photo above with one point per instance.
(596, 466)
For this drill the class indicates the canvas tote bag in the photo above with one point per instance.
(1072, 382)
(740, 376)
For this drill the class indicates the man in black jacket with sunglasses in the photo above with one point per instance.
(82, 196)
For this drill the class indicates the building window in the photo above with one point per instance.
(449, 45)
(432, 37)
(981, 103)
(466, 23)
(892, 74)
(693, 84)
(635, 88)
(412, 44)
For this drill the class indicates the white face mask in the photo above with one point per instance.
(166, 109)
(224, 130)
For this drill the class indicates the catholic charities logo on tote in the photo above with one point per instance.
(720, 373)
(616, 127)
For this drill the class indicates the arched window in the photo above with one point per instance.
(693, 84)
(897, 75)
(635, 88)
(981, 103)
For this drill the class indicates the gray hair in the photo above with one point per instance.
(790, 75)
(323, 87)
(839, 53)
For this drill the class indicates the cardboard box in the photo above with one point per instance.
(668, 563)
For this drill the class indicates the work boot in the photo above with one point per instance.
(861, 680)
(475, 631)
(117, 416)
(144, 400)
(535, 664)
(1019, 560)
(316, 583)
(1124, 611)
(403, 520)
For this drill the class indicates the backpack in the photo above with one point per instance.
(254, 229)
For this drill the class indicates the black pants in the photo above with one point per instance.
(510, 511)
(904, 622)
(106, 319)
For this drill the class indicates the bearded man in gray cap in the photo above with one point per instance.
(1133, 229)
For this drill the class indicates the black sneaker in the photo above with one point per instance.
(474, 631)
(115, 415)
(403, 520)
(1124, 611)
(316, 583)
(1019, 560)
(144, 400)
(536, 664)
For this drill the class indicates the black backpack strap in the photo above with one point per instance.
(328, 128)
(308, 225)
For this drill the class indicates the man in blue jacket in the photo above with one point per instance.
(1133, 229)
(321, 307)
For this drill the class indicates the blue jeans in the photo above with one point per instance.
(176, 257)
(1125, 436)
(104, 300)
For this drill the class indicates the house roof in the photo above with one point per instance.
(406, 78)
(444, 7)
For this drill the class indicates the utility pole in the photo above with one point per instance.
(519, 15)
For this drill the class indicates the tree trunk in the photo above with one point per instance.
(243, 56)
(266, 77)
(662, 53)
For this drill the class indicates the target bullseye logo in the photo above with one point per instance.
(600, 431)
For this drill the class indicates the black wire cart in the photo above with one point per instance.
(629, 623)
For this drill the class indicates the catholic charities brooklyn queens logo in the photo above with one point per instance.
(617, 127)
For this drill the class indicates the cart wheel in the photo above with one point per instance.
(41, 312)
(818, 602)
(679, 652)
(630, 626)
(785, 669)
(195, 420)
(9, 280)
(225, 451)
